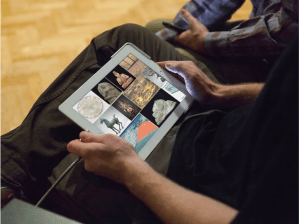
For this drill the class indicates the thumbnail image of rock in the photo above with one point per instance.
(141, 91)
(107, 91)
(126, 107)
(139, 132)
(160, 107)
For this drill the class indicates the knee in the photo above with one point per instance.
(129, 33)
(118, 36)
(122, 31)
(130, 28)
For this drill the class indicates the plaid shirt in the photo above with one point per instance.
(272, 24)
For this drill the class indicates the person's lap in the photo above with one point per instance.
(31, 151)
(102, 199)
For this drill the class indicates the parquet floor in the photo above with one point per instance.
(39, 38)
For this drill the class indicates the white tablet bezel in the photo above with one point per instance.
(67, 106)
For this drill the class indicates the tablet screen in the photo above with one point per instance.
(132, 101)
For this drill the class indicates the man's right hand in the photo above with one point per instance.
(208, 93)
(198, 85)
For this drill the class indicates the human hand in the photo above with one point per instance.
(194, 37)
(198, 85)
(106, 155)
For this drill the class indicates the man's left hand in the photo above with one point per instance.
(107, 155)
(194, 37)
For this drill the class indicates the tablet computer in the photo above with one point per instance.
(131, 97)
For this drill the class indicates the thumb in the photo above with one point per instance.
(190, 18)
(175, 68)
(171, 67)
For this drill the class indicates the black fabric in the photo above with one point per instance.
(248, 158)
(201, 159)
(271, 195)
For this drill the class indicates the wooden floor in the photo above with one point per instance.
(40, 38)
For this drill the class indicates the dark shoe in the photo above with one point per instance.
(7, 193)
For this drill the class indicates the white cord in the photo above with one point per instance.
(58, 180)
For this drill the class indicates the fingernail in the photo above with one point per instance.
(169, 65)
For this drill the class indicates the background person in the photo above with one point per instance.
(227, 48)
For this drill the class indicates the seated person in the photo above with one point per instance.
(237, 163)
(229, 49)
(271, 25)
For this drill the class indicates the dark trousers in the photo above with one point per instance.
(30, 152)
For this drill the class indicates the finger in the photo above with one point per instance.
(161, 64)
(81, 149)
(172, 67)
(173, 71)
(191, 19)
(86, 136)
(75, 147)
(181, 69)
(182, 37)
(177, 38)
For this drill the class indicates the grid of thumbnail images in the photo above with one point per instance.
(132, 101)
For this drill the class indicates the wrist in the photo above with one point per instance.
(228, 97)
(218, 95)
(135, 169)
(212, 95)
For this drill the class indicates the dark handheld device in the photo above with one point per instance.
(173, 27)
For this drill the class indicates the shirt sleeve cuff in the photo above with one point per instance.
(217, 44)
